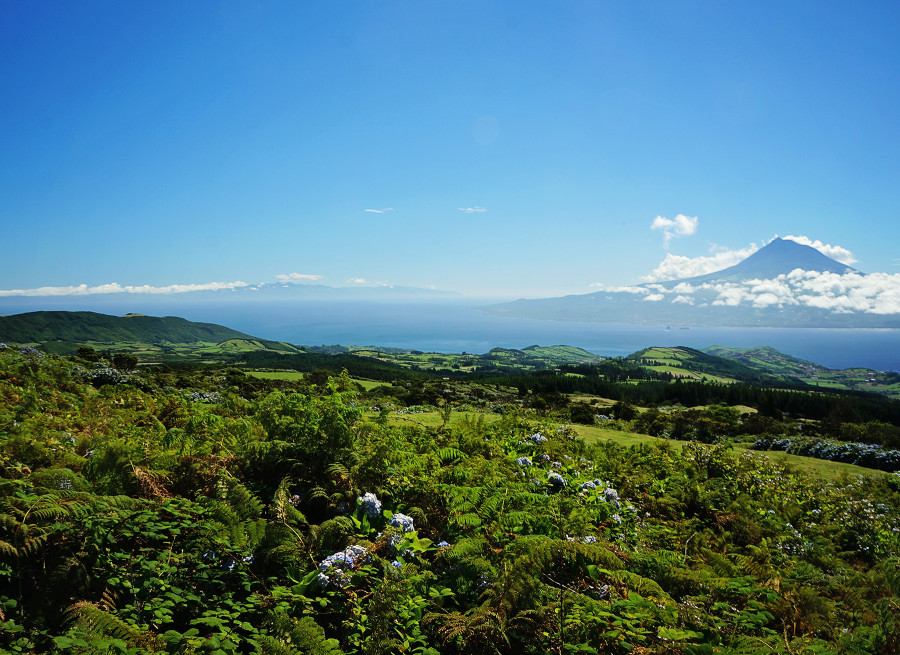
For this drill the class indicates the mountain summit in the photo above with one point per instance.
(784, 284)
(778, 257)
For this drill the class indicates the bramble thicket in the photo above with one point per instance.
(199, 510)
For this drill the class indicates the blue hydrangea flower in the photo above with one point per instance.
(556, 479)
(331, 569)
(611, 496)
(370, 504)
(402, 521)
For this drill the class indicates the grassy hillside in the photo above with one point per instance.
(154, 336)
(83, 327)
(769, 360)
(689, 363)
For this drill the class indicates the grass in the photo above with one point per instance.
(594, 434)
(819, 467)
(295, 376)
(289, 376)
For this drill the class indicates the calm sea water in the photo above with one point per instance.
(460, 327)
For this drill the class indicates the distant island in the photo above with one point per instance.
(784, 284)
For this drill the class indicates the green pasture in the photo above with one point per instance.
(295, 376)
(288, 376)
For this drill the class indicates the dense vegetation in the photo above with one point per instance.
(199, 510)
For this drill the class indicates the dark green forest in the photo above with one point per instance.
(198, 509)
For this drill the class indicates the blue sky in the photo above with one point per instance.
(514, 149)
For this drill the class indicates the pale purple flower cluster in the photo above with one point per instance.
(556, 479)
(370, 504)
(611, 496)
(523, 461)
(332, 568)
(403, 522)
(202, 397)
(107, 375)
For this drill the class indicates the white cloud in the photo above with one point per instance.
(838, 253)
(115, 287)
(876, 293)
(654, 297)
(730, 295)
(676, 267)
(472, 210)
(629, 289)
(766, 299)
(683, 287)
(380, 211)
(680, 226)
(357, 280)
(292, 277)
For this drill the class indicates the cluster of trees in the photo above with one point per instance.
(180, 512)
(770, 401)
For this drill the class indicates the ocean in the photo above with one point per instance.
(460, 327)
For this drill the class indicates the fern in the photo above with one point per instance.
(447, 455)
(150, 484)
(297, 637)
(481, 629)
(639, 584)
(97, 622)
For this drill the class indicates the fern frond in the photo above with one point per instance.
(282, 508)
(318, 493)
(338, 469)
(150, 485)
(447, 455)
(639, 584)
(470, 520)
(8, 549)
(468, 547)
(92, 619)
(481, 627)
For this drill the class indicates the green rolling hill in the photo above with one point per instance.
(63, 332)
